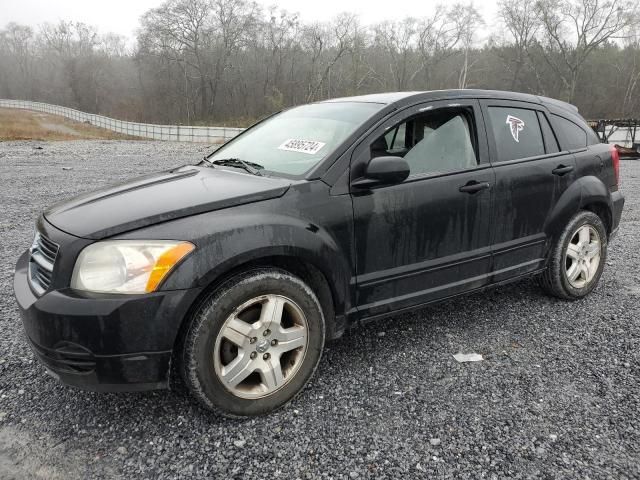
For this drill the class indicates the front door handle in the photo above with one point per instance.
(562, 169)
(473, 186)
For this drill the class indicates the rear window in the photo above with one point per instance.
(517, 133)
(570, 135)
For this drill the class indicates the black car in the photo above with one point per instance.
(230, 275)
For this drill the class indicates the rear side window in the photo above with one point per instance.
(549, 137)
(570, 135)
(517, 133)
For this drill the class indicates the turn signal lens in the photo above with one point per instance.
(165, 264)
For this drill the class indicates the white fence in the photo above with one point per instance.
(176, 133)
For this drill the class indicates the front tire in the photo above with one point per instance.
(577, 258)
(254, 344)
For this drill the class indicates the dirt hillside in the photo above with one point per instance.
(17, 124)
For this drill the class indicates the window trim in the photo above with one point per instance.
(425, 176)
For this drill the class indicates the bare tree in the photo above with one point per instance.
(18, 41)
(574, 28)
(397, 40)
(341, 38)
(438, 37)
(521, 20)
(180, 31)
(470, 20)
(630, 75)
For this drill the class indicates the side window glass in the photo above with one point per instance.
(389, 137)
(399, 143)
(570, 135)
(436, 142)
(517, 133)
(549, 137)
(396, 138)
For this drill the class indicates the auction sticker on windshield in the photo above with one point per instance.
(303, 146)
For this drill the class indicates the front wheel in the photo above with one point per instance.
(577, 259)
(254, 344)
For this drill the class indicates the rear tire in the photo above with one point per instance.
(577, 258)
(253, 345)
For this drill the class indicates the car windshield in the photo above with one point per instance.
(294, 141)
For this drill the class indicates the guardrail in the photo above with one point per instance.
(176, 133)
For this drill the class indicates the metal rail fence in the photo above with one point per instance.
(176, 133)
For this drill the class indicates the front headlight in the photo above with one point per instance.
(126, 266)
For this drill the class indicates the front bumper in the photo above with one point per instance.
(99, 341)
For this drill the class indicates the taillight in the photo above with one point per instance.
(615, 160)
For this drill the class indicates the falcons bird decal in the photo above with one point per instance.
(516, 126)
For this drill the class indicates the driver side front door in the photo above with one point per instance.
(428, 237)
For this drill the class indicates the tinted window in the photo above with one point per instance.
(517, 133)
(436, 142)
(549, 138)
(570, 135)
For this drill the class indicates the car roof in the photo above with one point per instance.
(402, 98)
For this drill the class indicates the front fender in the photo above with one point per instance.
(283, 236)
(230, 238)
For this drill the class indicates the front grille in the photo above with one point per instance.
(43, 257)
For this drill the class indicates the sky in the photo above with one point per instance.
(121, 16)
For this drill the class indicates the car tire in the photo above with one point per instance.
(577, 258)
(254, 343)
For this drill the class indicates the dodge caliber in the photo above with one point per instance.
(229, 275)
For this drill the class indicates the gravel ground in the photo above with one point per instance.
(557, 395)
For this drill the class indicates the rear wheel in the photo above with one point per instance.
(254, 344)
(577, 259)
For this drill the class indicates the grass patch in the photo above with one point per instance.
(18, 124)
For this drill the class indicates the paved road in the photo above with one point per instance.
(557, 396)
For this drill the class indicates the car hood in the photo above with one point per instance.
(160, 197)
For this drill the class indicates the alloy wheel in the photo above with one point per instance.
(261, 346)
(582, 257)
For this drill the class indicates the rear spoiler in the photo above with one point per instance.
(558, 103)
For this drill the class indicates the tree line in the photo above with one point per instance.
(231, 61)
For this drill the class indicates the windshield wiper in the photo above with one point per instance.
(250, 167)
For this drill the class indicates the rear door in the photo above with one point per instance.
(531, 175)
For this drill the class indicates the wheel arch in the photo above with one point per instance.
(602, 210)
(307, 271)
(331, 300)
(586, 193)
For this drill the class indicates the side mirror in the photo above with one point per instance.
(386, 170)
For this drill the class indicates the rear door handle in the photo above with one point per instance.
(473, 186)
(562, 169)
